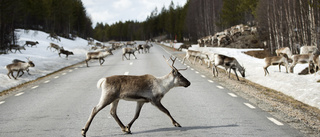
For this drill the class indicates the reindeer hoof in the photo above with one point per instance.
(176, 124)
(83, 132)
(126, 130)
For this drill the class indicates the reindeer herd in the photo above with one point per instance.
(308, 54)
(99, 53)
(227, 36)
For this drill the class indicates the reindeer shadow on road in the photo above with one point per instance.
(187, 128)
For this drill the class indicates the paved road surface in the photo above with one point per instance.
(59, 105)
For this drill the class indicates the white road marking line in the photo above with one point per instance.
(47, 81)
(232, 95)
(220, 87)
(34, 87)
(185, 64)
(192, 69)
(70, 70)
(64, 73)
(56, 77)
(19, 94)
(1, 102)
(76, 68)
(249, 105)
(203, 76)
(210, 81)
(275, 121)
(197, 72)
(126, 73)
(131, 63)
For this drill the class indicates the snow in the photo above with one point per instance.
(301, 87)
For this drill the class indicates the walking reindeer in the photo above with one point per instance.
(228, 63)
(142, 89)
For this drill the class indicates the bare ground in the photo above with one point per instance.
(298, 115)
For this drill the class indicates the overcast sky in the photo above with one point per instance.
(112, 11)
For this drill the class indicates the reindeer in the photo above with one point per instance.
(16, 48)
(195, 54)
(282, 59)
(183, 46)
(100, 55)
(54, 46)
(302, 58)
(146, 48)
(228, 63)
(66, 52)
(54, 36)
(142, 89)
(129, 51)
(31, 43)
(308, 49)
(139, 47)
(316, 60)
(284, 50)
(19, 66)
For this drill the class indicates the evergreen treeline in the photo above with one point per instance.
(280, 22)
(196, 19)
(62, 17)
(169, 22)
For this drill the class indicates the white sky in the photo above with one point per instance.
(112, 11)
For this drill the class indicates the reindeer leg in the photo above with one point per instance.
(235, 73)
(134, 56)
(164, 110)
(265, 71)
(138, 109)
(104, 101)
(113, 112)
(213, 71)
(102, 61)
(280, 67)
(21, 72)
(11, 74)
(230, 71)
(129, 56)
(28, 72)
(87, 62)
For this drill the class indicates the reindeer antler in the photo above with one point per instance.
(173, 60)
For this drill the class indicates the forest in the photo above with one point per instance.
(280, 23)
(62, 17)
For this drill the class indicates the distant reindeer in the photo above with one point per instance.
(54, 46)
(16, 48)
(100, 55)
(308, 49)
(302, 58)
(66, 52)
(54, 36)
(228, 63)
(19, 66)
(31, 43)
(276, 60)
(284, 50)
(139, 47)
(129, 51)
(146, 48)
(142, 89)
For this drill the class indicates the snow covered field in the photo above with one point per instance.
(302, 87)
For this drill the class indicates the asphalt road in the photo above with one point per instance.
(60, 104)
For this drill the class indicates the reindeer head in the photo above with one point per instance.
(31, 64)
(242, 71)
(179, 79)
